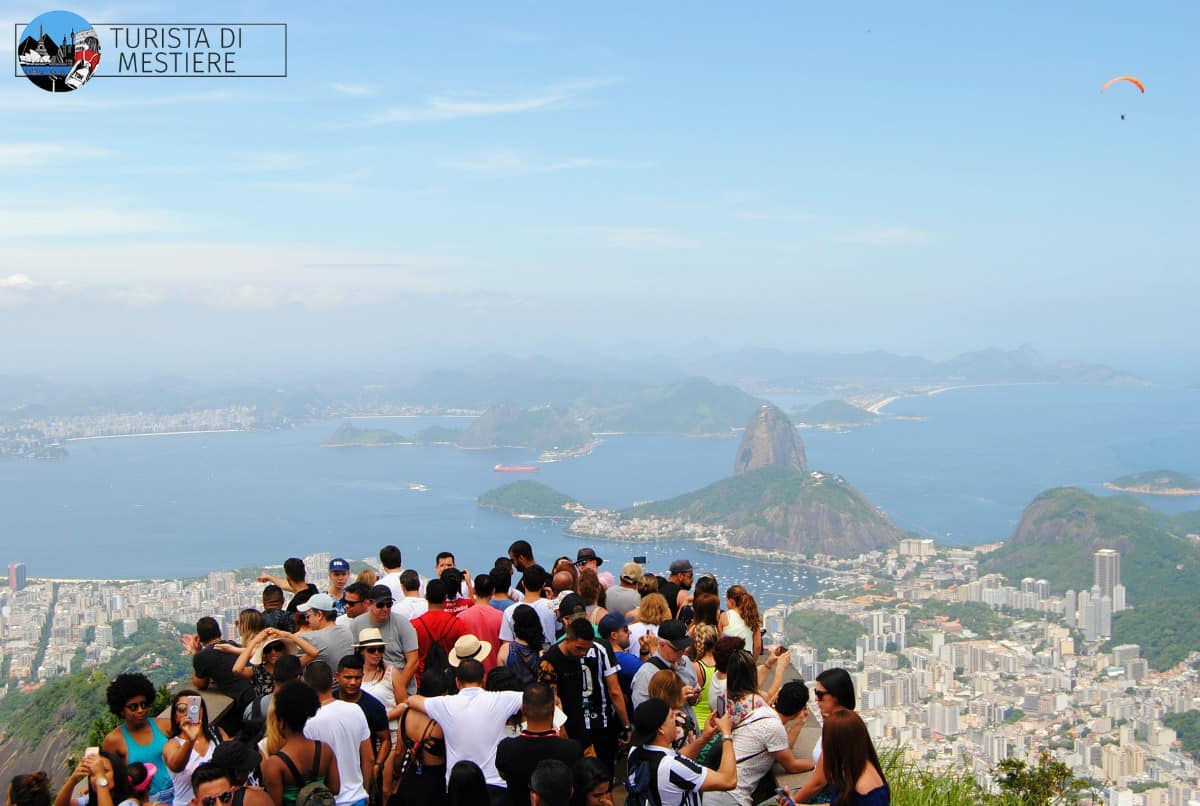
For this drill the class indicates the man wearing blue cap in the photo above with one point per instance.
(339, 574)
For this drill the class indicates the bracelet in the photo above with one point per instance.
(727, 737)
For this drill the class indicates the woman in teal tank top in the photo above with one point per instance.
(139, 737)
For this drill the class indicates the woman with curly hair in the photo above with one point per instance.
(139, 737)
(742, 619)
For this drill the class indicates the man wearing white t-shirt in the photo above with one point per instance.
(472, 722)
(535, 579)
(342, 726)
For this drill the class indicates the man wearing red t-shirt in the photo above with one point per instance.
(482, 620)
(435, 625)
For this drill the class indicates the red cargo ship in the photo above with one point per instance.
(515, 468)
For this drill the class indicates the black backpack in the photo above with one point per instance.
(641, 777)
(437, 660)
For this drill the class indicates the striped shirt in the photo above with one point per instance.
(678, 780)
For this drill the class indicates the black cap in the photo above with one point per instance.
(679, 566)
(675, 633)
(379, 593)
(571, 605)
(647, 719)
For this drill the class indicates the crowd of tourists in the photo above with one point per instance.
(527, 685)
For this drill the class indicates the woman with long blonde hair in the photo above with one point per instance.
(742, 619)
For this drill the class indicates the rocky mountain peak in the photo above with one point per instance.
(770, 440)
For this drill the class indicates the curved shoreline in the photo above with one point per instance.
(159, 434)
(878, 406)
(1176, 491)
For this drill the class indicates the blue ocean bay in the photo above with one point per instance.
(175, 506)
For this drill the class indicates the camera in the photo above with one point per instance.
(640, 559)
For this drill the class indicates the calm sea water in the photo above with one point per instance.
(184, 505)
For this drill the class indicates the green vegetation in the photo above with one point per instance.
(74, 703)
(745, 497)
(823, 631)
(977, 617)
(690, 406)
(1187, 728)
(437, 434)
(1156, 481)
(348, 434)
(1014, 716)
(527, 498)
(1045, 783)
(1061, 530)
(834, 412)
(543, 429)
(1165, 630)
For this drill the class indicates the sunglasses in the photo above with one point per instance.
(372, 649)
(273, 648)
(137, 706)
(353, 602)
(820, 695)
(386, 603)
(181, 708)
(224, 797)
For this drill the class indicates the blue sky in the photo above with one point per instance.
(922, 178)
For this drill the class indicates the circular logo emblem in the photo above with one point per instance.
(59, 51)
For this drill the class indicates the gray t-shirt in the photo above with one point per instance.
(332, 643)
(621, 600)
(399, 637)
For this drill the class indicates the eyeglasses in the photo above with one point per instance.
(372, 649)
(224, 797)
(386, 603)
(140, 705)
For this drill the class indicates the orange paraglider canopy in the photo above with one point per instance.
(1130, 79)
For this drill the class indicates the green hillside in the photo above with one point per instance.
(834, 412)
(1061, 530)
(1157, 481)
(543, 428)
(527, 498)
(349, 435)
(779, 509)
(690, 406)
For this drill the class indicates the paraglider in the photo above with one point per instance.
(1130, 79)
(1135, 82)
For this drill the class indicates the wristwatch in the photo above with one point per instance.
(101, 781)
(727, 737)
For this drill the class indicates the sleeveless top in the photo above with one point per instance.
(292, 791)
(702, 708)
(382, 690)
(183, 780)
(523, 662)
(738, 629)
(150, 753)
(879, 796)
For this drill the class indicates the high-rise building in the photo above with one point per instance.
(1107, 563)
(16, 577)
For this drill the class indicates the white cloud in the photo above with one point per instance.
(76, 221)
(476, 105)
(884, 236)
(353, 89)
(142, 272)
(778, 216)
(16, 281)
(510, 163)
(30, 156)
(35, 101)
(641, 238)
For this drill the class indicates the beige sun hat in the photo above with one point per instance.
(468, 647)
